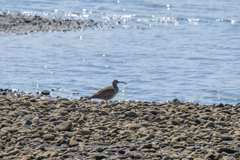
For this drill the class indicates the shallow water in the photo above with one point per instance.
(187, 50)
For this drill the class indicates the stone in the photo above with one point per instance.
(27, 157)
(99, 149)
(14, 152)
(121, 151)
(209, 125)
(9, 129)
(85, 131)
(227, 150)
(176, 102)
(73, 142)
(64, 126)
(219, 105)
(149, 146)
(132, 114)
(158, 119)
(45, 92)
(226, 138)
(48, 137)
(175, 122)
(54, 154)
(149, 150)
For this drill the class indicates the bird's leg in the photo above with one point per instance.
(107, 103)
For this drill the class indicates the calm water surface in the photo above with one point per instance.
(164, 50)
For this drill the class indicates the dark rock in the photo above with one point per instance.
(99, 149)
(226, 138)
(209, 124)
(158, 119)
(121, 151)
(149, 150)
(132, 114)
(175, 122)
(220, 105)
(14, 152)
(176, 102)
(178, 146)
(149, 146)
(227, 150)
(45, 92)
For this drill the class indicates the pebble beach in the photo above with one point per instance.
(44, 127)
(179, 58)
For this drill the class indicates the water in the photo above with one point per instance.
(164, 50)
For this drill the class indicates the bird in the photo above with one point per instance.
(107, 93)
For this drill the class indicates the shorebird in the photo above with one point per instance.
(107, 92)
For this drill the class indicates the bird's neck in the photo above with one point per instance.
(115, 86)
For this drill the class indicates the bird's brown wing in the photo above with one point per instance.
(104, 93)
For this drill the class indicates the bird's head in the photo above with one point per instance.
(116, 82)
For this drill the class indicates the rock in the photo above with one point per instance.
(176, 102)
(103, 113)
(14, 152)
(210, 156)
(226, 138)
(54, 154)
(236, 155)
(209, 125)
(178, 146)
(41, 156)
(73, 142)
(149, 146)
(9, 129)
(132, 114)
(48, 137)
(121, 152)
(227, 150)
(149, 150)
(158, 119)
(154, 112)
(32, 100)
(126, 132)
(102, 128)
(45, 92)
(219, 105)
(27, 157)
(99, 149)
(175, 122)
(85, 132)
(27, 124)
(64, 126)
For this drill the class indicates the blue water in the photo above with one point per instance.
(164, 50)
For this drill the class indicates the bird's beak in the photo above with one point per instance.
(122, 82)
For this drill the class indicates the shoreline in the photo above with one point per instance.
(32, 128)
